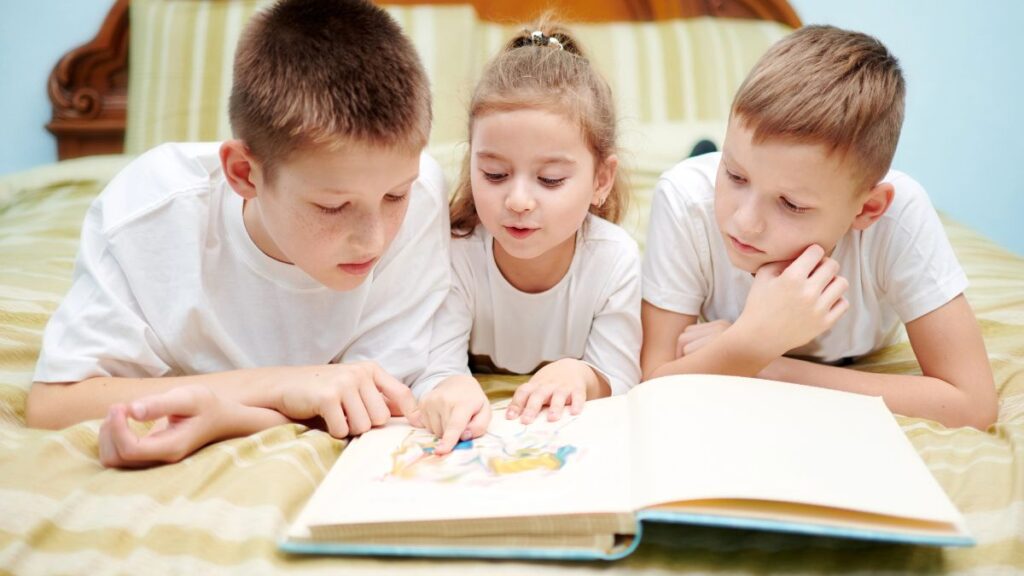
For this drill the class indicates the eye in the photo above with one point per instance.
(792, 207)
(396, 197)
(551, 182)
(331, 209)
(494, 177)
(736, 178)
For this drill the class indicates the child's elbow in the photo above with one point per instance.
(39, 411)
(984, 416)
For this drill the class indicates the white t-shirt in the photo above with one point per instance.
(168, 282)
(592, 314)
(899, 269)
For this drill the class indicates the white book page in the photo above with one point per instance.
(720, 437)
(575, 465)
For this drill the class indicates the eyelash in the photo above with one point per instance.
(792, 207)
(736, 178)
(548, 182)
(337, 209)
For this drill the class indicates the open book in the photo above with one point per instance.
(704, 450)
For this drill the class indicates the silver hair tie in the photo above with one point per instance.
(541, 39)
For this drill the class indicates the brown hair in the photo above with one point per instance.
(322, 72)
(828, 86)
(530, 72)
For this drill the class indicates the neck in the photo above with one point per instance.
(538, 274)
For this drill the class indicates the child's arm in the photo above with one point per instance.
(192, 417)
(956, 387)
(349, 397)
(787, 307)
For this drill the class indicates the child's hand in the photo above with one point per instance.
(556, 385)
(788, 306)
(193, 417)
(457, 409)
(696, 336)
(351, 398)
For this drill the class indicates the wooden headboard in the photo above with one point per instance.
(89, 85)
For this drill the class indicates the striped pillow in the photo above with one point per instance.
(668, 77)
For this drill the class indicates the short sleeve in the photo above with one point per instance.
(613, 346)
(677, 245)
(99, 329)
(918, 270)
(449, 339)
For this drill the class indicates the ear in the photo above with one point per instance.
(875, 203)
(240, 168)
(604, 179)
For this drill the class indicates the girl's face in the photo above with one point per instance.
(534, 180)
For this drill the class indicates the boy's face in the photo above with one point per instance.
(775, 198)
(332, 213)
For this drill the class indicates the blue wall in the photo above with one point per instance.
(962, 137)
(34, 34)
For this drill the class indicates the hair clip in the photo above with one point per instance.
(538, 38)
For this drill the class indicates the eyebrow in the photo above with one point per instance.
(800, 193)
(341, 192)
(553, 159)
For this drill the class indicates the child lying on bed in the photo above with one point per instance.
(797, 240)
(543, 280)
(289, 273)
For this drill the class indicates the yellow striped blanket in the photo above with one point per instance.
(223, 509)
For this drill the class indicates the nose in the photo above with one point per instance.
(368, 235)
(519, 198)
(747, 218)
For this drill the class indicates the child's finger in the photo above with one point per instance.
(373, 401)
(355, 411)
(578, 397)
(334, 417)
(807, 262)
(824, 273)
(434, 423)
(698, 344)
(534, 405)
(557, 404)
(479, 422)
(837, 311)
(519, 399)
(834, 291)
(416, 418)
(394, 390)
(174, 402)
(453, 429)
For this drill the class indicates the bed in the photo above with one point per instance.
(673, 66)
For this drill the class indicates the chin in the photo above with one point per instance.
(745, 264)
(341, 282)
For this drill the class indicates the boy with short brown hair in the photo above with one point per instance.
(289, 273)
(798, 243)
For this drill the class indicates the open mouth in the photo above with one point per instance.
(519, 233)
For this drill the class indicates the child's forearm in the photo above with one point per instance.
(910, 395)
(734, 353)
(55, 406)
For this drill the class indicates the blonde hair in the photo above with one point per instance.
(531, 72)
(829, 86)
(323, 72)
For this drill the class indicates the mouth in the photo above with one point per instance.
(518, 232)
(742, 247)
(358, 268)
